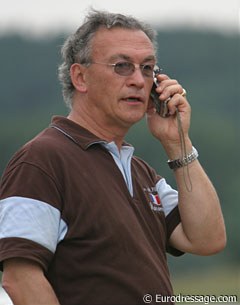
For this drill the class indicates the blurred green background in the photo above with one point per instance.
(206, 64)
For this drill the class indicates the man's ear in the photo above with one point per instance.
(77, 77)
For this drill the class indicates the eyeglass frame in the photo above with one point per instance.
(133, 67)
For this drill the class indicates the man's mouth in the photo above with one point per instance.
(133, 99)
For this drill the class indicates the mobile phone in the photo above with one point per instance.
(161, 106)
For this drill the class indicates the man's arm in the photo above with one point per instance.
(25, 283)
(202, 229)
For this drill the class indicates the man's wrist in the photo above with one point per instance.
(183, 161)
(174, 149)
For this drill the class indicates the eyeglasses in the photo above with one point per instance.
(126, 68)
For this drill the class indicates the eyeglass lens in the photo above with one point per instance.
(127, 68)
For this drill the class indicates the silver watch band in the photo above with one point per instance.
(192, 156)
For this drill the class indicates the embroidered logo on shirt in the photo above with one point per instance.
(154, 199)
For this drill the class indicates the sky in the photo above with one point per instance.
(43, 17)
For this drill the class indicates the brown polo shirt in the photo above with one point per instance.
(65, 203)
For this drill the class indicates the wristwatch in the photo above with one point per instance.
(189, 158)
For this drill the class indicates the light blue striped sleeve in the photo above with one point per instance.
(31, 219)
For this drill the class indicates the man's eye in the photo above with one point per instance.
(148, 67)
(123, 64)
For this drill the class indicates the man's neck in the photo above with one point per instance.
(108, 134)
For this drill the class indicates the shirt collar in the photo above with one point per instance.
(76, 133)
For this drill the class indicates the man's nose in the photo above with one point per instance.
(136, 78)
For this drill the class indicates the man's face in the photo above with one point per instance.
(115, 100)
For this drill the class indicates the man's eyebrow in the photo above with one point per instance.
(128, 58)
(150, 58)
(120, 56)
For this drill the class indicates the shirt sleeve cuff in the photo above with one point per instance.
(172, 221)
(23, 248)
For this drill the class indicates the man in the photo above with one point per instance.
(83, 221)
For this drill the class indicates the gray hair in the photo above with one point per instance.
(77, 47)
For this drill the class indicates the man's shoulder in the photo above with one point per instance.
(49, 140)
(46, 147)
(46, 142)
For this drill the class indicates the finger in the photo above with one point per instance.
(177, 101)
(161, 77)
(170, 91)
(165, 81)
